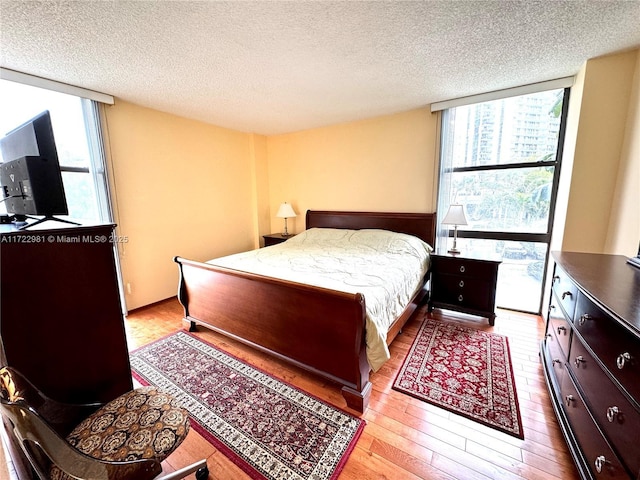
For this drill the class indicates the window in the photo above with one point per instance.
(76, 129)
(77, 132)
(501, 160)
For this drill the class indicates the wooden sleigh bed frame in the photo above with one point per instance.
(317, 329)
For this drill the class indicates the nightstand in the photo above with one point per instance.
(275, 238)
(464, 284)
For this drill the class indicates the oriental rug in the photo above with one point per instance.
(465, 371)
(270, 429)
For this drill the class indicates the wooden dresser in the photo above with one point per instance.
(591, 358)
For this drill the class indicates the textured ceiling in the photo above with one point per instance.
(271, 67)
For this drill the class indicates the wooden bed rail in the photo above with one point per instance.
(318, 329)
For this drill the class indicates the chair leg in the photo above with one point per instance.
(201, 469)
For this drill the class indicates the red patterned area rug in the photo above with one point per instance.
(465, 371)
(270, 429)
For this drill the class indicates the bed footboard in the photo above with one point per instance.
(318, 329)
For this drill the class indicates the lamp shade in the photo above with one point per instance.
(285, 211)
(455, 216)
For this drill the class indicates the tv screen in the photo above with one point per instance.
(30, 174)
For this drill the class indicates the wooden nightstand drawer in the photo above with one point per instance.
(464, 284)
(464, 266)
(466, 292)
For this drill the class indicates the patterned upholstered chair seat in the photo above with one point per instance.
(142, 424)
(126, 439)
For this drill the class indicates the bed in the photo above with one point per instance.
(320, 329)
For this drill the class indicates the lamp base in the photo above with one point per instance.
(454, 248)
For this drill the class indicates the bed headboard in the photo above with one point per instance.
(421, 225)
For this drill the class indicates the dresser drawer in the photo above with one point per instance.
(615, 347)
(556, 357)
(463, 266)
(463, 291)
(559, 326)
(612, 411)
(565, 290)
(597, 453)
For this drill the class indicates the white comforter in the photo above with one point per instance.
(386, 267)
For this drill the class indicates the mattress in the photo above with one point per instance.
(387, 268)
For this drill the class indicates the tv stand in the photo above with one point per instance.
(38, 221)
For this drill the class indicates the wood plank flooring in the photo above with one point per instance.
(405, 438)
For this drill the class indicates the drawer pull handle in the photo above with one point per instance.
(600, 462)
(552, 307)
(561, 329)
(583, 318)
(567, 294)
(460, 298)
(556, 360)
(556, 278)
(569, 399)
(548, 335)
(461, 284)
(623, 359)
(462, 269)
(579, 359)
(612, 413)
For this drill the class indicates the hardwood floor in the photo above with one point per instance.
(404, 438)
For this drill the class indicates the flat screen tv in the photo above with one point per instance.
(30, 177)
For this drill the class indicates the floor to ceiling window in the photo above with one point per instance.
(501, 159)
(76, 129)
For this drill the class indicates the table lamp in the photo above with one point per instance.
(455, 216)
(285, 211)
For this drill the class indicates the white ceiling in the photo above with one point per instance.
(271, 67)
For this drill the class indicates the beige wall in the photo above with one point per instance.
(181, 187)
(603, 196)
(569, 150)
(381, 164)
(624, 224)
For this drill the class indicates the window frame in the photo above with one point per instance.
(444, 233)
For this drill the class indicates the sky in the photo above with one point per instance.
(20, 103)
